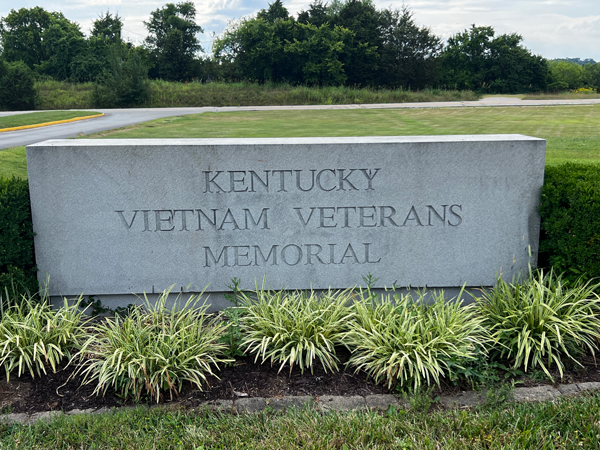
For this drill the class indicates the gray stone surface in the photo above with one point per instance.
(115, 217)
(339, 403)
(250, 405)
(298, 402)
(221, 405)
(590, 385)
(14, 418)
(466, 399)
(381, 402)
(535, 394)
(568, 389)
(46, 415)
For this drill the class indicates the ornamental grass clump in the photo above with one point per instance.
(34, 336)
(295, 328)
(540, 323)
(154, 349)
(405, 342)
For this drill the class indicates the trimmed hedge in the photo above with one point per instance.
(570, 211)
(17, 258)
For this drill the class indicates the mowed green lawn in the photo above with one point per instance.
(572, 132)
(19, 120)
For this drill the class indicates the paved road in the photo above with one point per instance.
(117, 118)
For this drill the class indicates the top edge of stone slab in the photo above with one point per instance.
(287, 140)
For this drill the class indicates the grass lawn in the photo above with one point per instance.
(570, 423)
(572, 132)
(19, 120)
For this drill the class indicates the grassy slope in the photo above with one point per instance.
(572, 132)
(19, 120)
(570, 423)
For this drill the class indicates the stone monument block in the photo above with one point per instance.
(115, 217)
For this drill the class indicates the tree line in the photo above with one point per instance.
(344, 42)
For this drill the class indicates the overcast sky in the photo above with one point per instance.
(551, 28)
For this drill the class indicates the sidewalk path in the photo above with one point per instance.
(118, 118)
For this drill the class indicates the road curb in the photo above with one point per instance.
(45, 124)
(327, 403)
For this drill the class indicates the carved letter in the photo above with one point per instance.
(367, 260)
(272, 252)
(383, 216)
(285, 259)
(442, 218)
(183, 218)
(213, 222)
(323, 217)
(412, 211)
(319, 180)
(346, 210)
(208, 252)
(363, 216)
(146, 220)
(127, 224)
(298, 184)
(344, 179)
(281, 178)
(370, 175)
(160, 219)
(229, 215)
(304, 222)
(237, 254)
(455, 215)
(248, 215)
(310, 254)
(254, 175)
(233, 180)
(349, 253)
(208, 181)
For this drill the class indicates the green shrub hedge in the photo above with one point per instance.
(17, 259)
(570, 210)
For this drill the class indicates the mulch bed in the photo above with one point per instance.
(57, 391)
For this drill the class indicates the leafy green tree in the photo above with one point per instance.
(566, 75)
(173, 42)
(17, 91)
(361, 56)
(592, 75)
(258, 49)
(476, 60)
(45, 41)
(317, 52)
(409, 54)
(125, 82)
(318, 14)
(89, 64)
(276, 11)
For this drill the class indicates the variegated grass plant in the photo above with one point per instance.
(402, 341)
(540, 323)
(34, 336)
(154, 349)
(295, 328)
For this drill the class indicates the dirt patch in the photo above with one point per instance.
(62, 391)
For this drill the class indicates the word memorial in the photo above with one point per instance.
(118, 217)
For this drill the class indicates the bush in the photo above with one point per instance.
(294, 328)
(570, 208)
(17, 91)
(540, 323)
(34, 335)
(154, 349)
(17, 258)
(403, 341)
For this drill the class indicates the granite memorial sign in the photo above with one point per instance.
(116, 217)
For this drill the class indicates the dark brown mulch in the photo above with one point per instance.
(56, 391)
